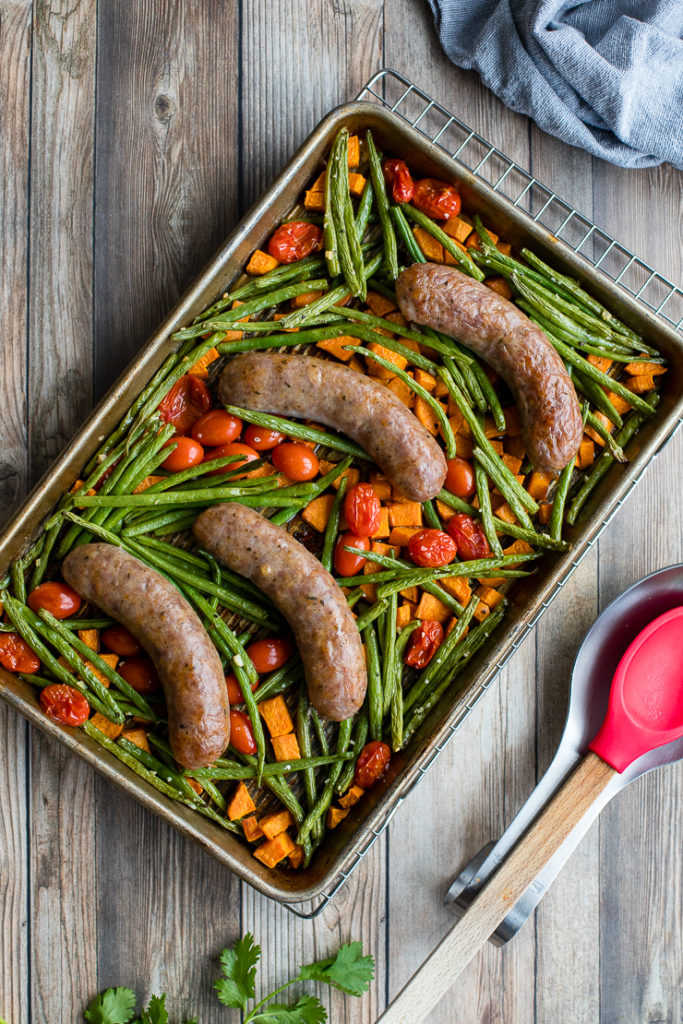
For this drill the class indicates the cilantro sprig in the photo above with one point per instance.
(117, 1006)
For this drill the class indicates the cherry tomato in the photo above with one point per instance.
(216, 427)
(460, 478)
(296, 461)
(399, 180)
(57, 598)
(294, 240)
(372, 763)
(121, 641)
(188, 399)
(437, 198)
(362, 510)
(346, 563)
(431, 548)
(235, 690)
(241, 734)
(187, 452)
(16, 655)
(261, 438)
(270, 653)
(424, 643)
(234, 448)
(64, 704)
(140, 673)
(469, 537)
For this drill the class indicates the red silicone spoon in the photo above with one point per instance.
(645, 711)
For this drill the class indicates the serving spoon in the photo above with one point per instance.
(645, 711)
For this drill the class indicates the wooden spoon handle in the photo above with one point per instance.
(492, 904)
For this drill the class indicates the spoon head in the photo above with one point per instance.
(645, 707)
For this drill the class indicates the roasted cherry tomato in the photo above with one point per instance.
(57, 598)
(437, 198)
(216, 427)
(235, 691)
(241, 734)
(140, 673)
(431, 548)
(188, 399)
(399, 180)
(64, 704)
(269, 654)
(16, 655)
(121, 641)
(295, 460)
(186, 453)
(469, 537)
(294, 240)
(372, 763)
(460, 478)
(234, 448)
(424, 643)
(362, 510)
(261, 438)
(346, 563)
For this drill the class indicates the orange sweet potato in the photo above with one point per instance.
(431, 608)
(286, 748)
(276, 715)
(109, 729)
(317, 512)
(274, 850)
(336, 346)
(241, 803)
(273, 824)
(261, 262)
(252, 829)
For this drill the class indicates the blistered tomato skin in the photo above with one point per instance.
(294, 240)
(186, 453)
(140, 673)
(469, 537)
(121, 641)
(297, 461)
(431, 548)
(224, 451)
(460, 478)
(423, 644)
(437, 199)
(363, 510)
(270, 653)
(399, 180)
(188, 399)
(64, 704)
(345, 562)
(261, 438)
(57, 598)
(241, 735)
(216, 427)
(373, 762)
(16, 655)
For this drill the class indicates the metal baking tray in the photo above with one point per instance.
(307, 891)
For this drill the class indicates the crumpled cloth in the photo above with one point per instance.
(604, 75)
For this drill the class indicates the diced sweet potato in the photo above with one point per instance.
(274, 850)
(505, 513)
(505, 248)
(90, 637)
(499, 285)
(426, 415)
(276, 715)
(474, 242)
(602, 362)
(619, 403)
(512, 462)
(110, 659)
(201, 367)
(515, 446)
(381, 485)
(356, 184)
(457, 587)
(375, 370)
(432, 249)
(138, 737)
(296, 856)
(305, 299)
(378, 547)
(380, 305)
(400, 535)
(497, 446)
(354, 151)
(335, 815)
(545, 511)
(383, 528)
(458, 228)
(431, 608)
(275, 823)
(464, 446)
(261, 262)
(314, 201)
(411, 594)
(481, 611)
(449, 259)
(240, 803)
(445, 511)
(147, 482)
(425, 379)
(405, 513)
(369, 591)
(640, 385)
(397, 317)
(538, 484)
(252, 829)
(405, 613)
(489, 596)
(317, 512)
(286, 748)
(336, 346)
(352, 474)
(586, 455)
(607, 424)
(110, 729)
(351, 796)
(401, 390)
(636, 369)
(196, 786)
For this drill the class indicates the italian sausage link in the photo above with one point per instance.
(446, 299)
(161, 619)
(351, 402)
(328, 640)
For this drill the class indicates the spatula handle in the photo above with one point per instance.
(515, 874)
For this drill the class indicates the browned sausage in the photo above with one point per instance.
(328, 640)
(349, 401)
(444, 298)
(161, 619)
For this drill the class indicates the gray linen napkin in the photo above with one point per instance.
(605, 75)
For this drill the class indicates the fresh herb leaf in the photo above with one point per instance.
(306, 1010)
(239, 970)
(114, 1006)
(348, 970)
(156, 1011)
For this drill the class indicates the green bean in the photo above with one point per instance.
(364, 620)
(492, 400)
(559, 500)
(300, 431)
(325, 799)
(416, 358)
(431, 515)
(484, 496)
(588, 387)
(101, 623)
(225, 770)
(375, 697)
(406, 235)
(388, 628)
(600, 428)
(348, 242)
(320, 733)
(364, 210)
(378, 286)
(539, 540)
(601, 378)
(379, 189)
(163, 771)
(165, 522)
(309, 313)
(464, 261)
(453, 501)
(423, 682)
(273, 278)
(284, 677)
(329, 227)
(18, 581)
(304, 740)
(511, 495)
(251, 306)
(359, 740)
(332, 526)
(396, 723)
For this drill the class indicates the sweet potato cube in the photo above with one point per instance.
(474, 242)
(356, 184)
(586, 455)
(383, 528)
(317, 512)
(432, 249)
(240, 803)
(405, 613)
(275, 823)
(296, 857)
(458, 228)
(379, 548)
(369, 591)
(405, 513)
(518, 547)
(252, 829)
(196, 786)
(108, 659)
(314, 201)
(286, 748)
(381, 486)
(201, 367)
(375, 370)
(445, 511)
(545, 511)
(602, 362)
(457, 587)
(425, 379)
(352, 474)
(274, 850)
(499, 285)
(401, 390)
(400, 535)
(147, 482)
(619, 403)
(261, 262)
(513, 463)
(504, 247)
(276, 715)
(351, 796)
(489, 596)
(354, 151)
(464, 446)
(138, 737)
(431, 608)
(336, 346)
(335, 815)
(640, 385)
(299, 301)
(397, 317)
(380, 305)
(607, 424)
(411, 594)
(449, 259)
(515, 446)
(110, 729)
(426, 415)
(538, 484)
(504, 512)
(636, 369)
(90, 637)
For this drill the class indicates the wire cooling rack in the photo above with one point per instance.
(466, 147)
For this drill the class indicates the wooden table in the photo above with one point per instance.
(134, 135)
